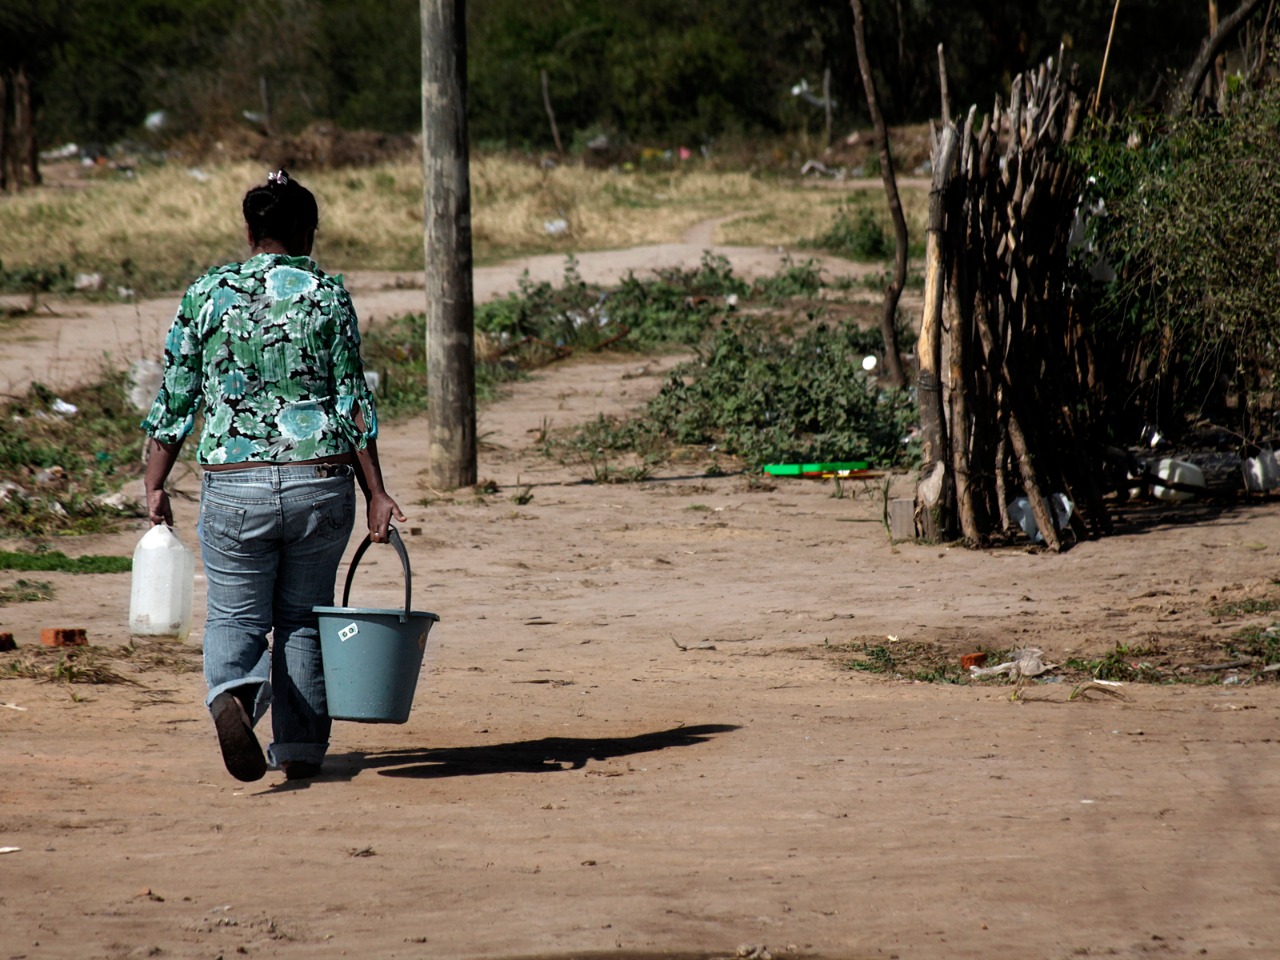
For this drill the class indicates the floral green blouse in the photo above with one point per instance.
(272, 348)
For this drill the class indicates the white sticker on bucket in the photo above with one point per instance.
(347, 632)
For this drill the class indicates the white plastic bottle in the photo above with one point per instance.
(164, 571)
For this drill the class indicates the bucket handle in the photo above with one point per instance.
(393, 537)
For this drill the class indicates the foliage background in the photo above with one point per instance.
(647, 70)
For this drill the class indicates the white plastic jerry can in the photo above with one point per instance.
(164, 572)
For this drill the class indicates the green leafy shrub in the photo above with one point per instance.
(1179, 212)
(767, 399)
(857, 234)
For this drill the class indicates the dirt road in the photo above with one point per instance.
(633, 738)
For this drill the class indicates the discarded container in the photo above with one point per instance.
(164, 572)
(1020, 513)
(814, 469)
(372, 657)
(1179, 472)
(1261, 472)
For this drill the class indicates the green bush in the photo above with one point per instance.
(856, 234)
(1183, 215)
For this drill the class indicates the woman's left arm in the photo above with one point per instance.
(160, 460)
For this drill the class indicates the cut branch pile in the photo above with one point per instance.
(1004, 362)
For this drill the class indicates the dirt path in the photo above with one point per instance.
(66, 339)
(632, 739)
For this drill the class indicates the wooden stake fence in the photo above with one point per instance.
(1001, 393)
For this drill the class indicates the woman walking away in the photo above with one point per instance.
(271, 348)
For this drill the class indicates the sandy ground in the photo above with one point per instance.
(632, 737)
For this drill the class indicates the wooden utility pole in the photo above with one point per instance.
(451, 372)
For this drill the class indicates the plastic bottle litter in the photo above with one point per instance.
(1180, 472)
(1261, 472)
(1028, 662)
(160, 600)
(1020, 513)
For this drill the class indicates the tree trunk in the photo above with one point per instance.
(4, 131)
(551, 114)
(26, 159)
(1208, 53)
(889, 315)
(451, 388)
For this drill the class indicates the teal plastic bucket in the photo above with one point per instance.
(372, 657)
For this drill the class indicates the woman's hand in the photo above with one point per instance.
(381, 509)
(158, 509)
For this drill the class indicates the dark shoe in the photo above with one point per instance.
(241, 751)
(300, 770)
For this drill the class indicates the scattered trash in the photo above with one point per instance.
(124, 293)
(65, 152)
(49, 476)
(1025, 663)
(198, 175)
(63, 408)
(555, 228)
(705, 645)
(1261, 472)
(1183, 480)
(372, 380)
(7, 643)
(1020, 513)
(869, 363)
(13, 706)
(10, 849)
(155, 121)
(819, 168)
(848, 468)
(971, 660)
(751, 951)
(63, 637)
(89, 281)
(1108, 688)
(145, 377)
(117, 501)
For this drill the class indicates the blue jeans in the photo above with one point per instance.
(272, 538)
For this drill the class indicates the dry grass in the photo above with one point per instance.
(164, 225)
(784, 217)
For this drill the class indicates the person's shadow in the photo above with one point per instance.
(548, 755)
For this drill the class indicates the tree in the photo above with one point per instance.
(889, 315)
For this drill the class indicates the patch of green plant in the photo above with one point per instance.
(774, 400)
(676, 307)
(55, 467)
(792, 280)
(1122, 663)
(766, 399)
(875, 659)
(878, 658)
(26, 591)
(397, 351)
(1260, 643)
(855, 233)
(54, 560)
(54, 278)
(1189, 299)
(1245, 608)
